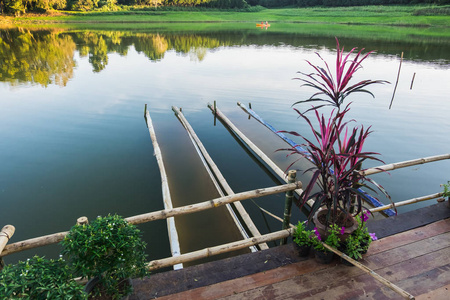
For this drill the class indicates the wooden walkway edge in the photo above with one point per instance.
(416, 260)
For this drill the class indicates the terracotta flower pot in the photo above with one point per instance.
(348, 222)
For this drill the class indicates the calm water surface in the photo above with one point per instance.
(73, 141)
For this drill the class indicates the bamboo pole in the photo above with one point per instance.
(406, 202)
(34, 243)
(5, 235)
(171, 227)
(288, 205)
(187, 257)
(384, 281)
(157, 215)
(221, 179)
(255, 149)
(404, 164)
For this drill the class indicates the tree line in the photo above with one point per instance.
(17, 7)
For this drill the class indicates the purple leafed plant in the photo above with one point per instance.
(334, 89)
(337, 155)
(336, 150)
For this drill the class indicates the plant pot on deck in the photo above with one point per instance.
(302, 250)
(94, 283)
(323, 257)
(343, 220)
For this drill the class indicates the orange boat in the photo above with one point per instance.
(262, 25)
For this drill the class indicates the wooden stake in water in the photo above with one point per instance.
(412, 80)
(288, 204)
(396, 83)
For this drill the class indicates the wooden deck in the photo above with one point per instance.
(416, 260)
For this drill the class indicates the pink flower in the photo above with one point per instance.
(373, 236)
(365, 216)
(316, 232)
(342, 230)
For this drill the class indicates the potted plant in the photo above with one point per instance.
(302, 239)
(336, 149)
(322, 254)
(39, 278)
(109, 251)
(359, 241)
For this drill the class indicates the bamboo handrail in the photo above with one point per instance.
(171, 227)
(166, 262)
(239, 207)
(404, 164)
(406, 202)
(157, 215)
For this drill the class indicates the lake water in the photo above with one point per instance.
(74, 141)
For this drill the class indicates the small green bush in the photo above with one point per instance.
(39, 278)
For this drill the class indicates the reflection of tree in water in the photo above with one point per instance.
(36, 57)
(47, 56)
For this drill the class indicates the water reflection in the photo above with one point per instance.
(47, 56)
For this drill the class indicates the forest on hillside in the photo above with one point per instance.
(18, 7)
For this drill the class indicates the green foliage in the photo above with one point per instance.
(353, 247)
(331, 240)
(39, 278)
(446, 192)
(301, 236)
(109, 248)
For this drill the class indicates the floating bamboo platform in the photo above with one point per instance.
(416, 260)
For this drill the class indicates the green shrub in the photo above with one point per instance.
(39, 278)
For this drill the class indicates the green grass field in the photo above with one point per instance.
(425, 16)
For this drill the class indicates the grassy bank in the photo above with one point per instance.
(379, 15)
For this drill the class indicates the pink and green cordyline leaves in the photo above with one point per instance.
(334, 89)
(336, 153)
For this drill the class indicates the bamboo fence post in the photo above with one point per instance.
(288, 205)
(5, 235)
(82, 221)
(221, 179)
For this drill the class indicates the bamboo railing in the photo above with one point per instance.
(404, 164)
(157, 215)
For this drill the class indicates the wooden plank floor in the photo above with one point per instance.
(417, 261)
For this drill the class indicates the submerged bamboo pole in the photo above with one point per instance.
(187, 257)
(404, 164)
(221, 179)
(254, 148)
(171, 227)
(157, 215)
